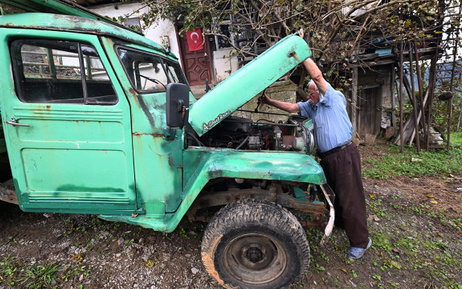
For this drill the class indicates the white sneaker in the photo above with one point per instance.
(356, 253)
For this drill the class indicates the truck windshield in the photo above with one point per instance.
(149, 72)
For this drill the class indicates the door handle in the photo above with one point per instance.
(14, 122)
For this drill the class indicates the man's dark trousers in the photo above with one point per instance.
(343, 173)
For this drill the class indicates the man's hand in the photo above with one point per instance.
(264, 98)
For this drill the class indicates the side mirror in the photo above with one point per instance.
(177, 105)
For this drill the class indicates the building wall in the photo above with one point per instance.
(374, 100)
(224, 63)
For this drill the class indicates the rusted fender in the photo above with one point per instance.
(203, 164)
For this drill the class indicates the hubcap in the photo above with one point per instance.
(255, 258)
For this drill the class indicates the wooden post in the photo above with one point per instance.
(401, 96)
(422, 99)
(354, 100)
(414, 100)
(431, 89)
(393, 102)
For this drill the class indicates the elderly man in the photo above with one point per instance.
(340, 157)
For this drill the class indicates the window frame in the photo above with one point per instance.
(165, 65)
(20, 76)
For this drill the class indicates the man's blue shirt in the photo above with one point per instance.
(332, 126)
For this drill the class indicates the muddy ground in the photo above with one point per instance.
(415, 225)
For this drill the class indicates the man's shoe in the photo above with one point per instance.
(356, 253)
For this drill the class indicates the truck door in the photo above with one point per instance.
(67, 124)
(158, 157)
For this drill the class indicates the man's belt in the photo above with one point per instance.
(334, 150)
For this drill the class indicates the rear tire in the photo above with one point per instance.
(255, 245)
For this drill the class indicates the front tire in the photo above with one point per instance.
(255, 245)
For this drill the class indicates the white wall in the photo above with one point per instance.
(224, 64)
(153, 32)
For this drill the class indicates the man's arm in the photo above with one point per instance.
(315, 72)
(287, 106)
(316, 75)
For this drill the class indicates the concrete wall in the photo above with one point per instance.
(224, 64)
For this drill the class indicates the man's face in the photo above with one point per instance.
(313, 94)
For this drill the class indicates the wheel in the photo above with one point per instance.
(255, 245)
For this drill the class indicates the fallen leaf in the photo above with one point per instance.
(342, 269)
(429, 196)
(395, 264)
(149, 264)
(77, 258)
(433, 201)
(372, 195)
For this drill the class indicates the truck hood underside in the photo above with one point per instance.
(247, 82)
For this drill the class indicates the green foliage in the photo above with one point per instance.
(39, 276)
(16, 273)
(413, 164)
(332, 27)
(456, 139)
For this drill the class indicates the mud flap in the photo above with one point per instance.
(330, 223)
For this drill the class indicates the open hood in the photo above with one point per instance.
(65, 7)
(247, 82)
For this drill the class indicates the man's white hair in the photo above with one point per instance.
(310, 83)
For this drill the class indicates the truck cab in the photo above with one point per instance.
(98, 119)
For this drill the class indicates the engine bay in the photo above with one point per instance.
(242, 133)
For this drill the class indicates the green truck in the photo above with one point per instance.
(98, 119)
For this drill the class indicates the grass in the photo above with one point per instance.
(414, 245)
(412, 248)
(456, 139)
(17, 273)
(413, 164)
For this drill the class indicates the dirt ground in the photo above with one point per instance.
(415, 225)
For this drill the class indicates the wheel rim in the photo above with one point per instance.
(255, 258)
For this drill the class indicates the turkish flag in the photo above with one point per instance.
(195, 39)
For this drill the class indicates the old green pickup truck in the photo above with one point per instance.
(98, 119)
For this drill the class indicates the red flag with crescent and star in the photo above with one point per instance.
(195, 39)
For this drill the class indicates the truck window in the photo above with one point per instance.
(149, 72)
(59, 71)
